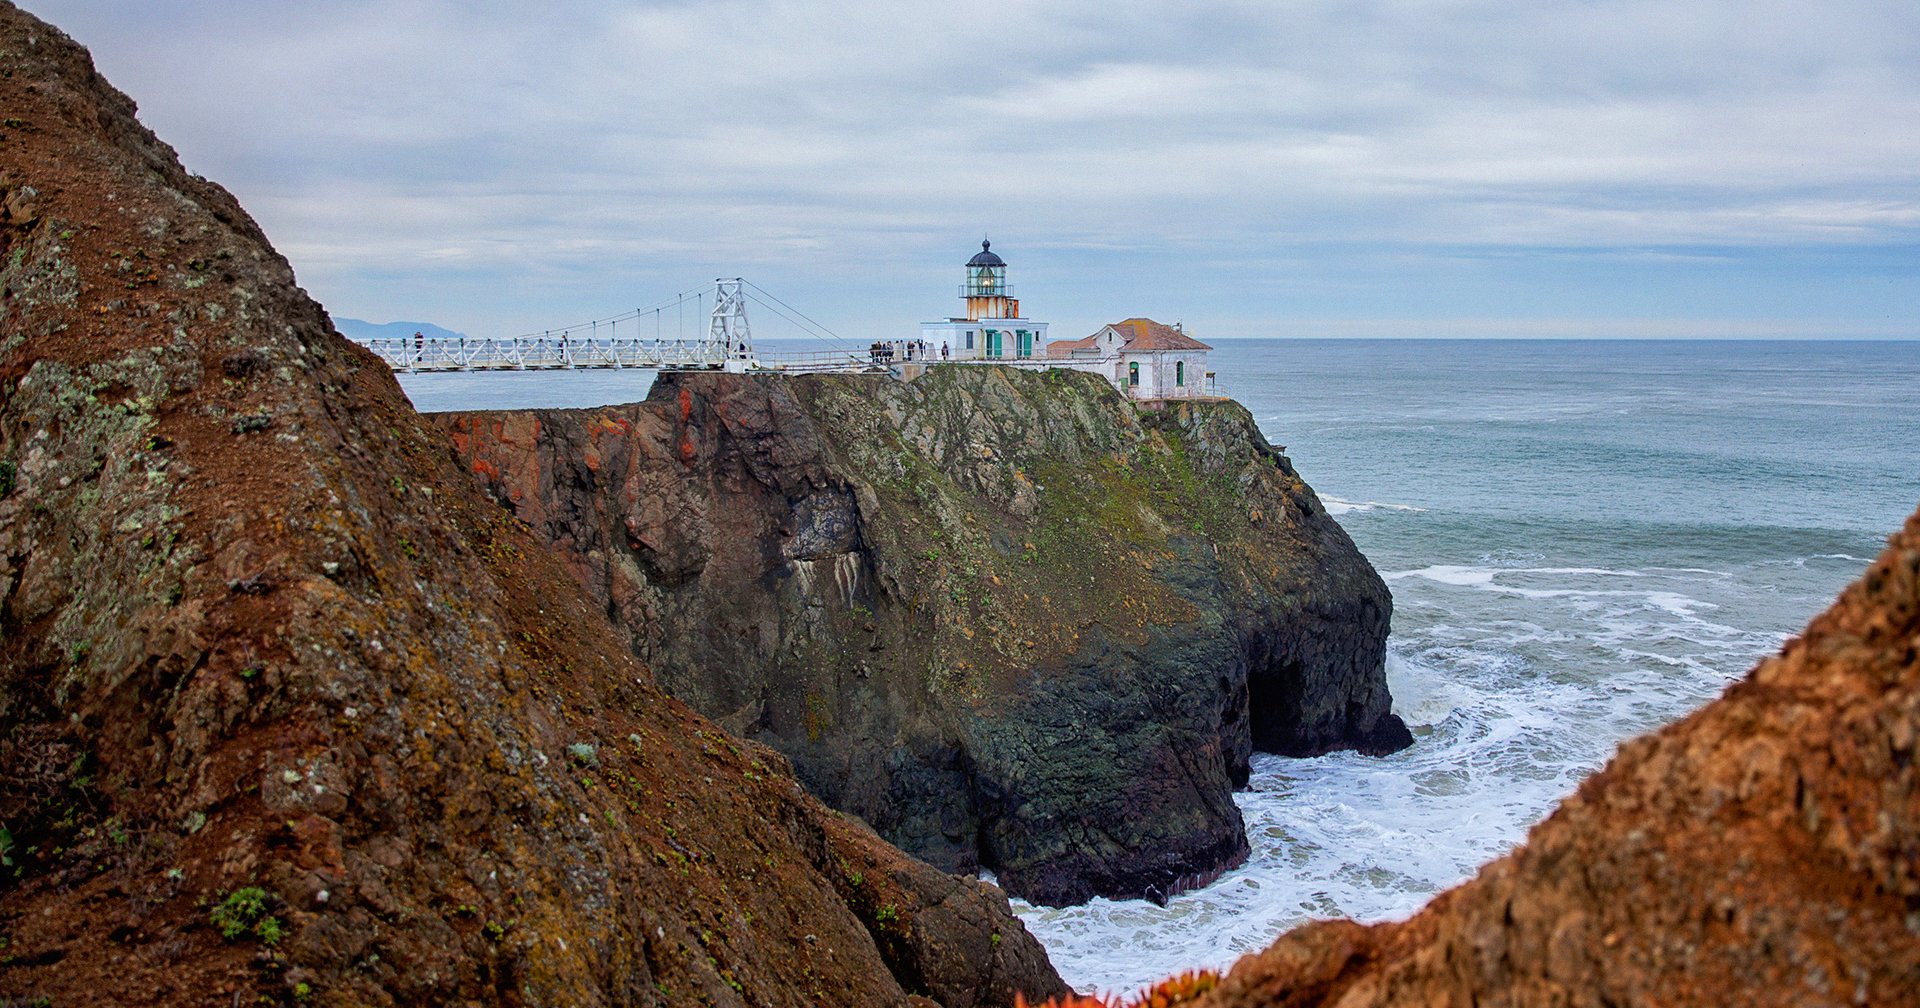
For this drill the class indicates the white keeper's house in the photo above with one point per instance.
(1142, 358)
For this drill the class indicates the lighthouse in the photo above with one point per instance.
(992, 328)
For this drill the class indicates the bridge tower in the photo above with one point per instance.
(728, 326)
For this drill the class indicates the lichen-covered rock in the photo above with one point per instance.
(1764, 851)
(1004, 616)
(291, 713)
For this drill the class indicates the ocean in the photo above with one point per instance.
(1584, 539)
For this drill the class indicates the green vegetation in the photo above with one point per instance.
(243, 912)
(496, 930)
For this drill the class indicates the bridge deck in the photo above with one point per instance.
(539, 353)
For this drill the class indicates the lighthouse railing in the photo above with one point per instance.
(968, 290)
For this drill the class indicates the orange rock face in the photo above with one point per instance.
(290, 713)
(1765, 851)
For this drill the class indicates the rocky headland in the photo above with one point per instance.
(292, 713)
(1003, 616)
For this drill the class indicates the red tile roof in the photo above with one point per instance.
(1061, 348)
(1146, 334)
(1139, 335)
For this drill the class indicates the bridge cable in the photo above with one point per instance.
(805, 329)
(835, 337)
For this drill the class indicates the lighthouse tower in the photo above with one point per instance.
(992, 328)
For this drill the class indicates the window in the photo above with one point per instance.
(969, 339)
(1179, 372)
(1133, 374)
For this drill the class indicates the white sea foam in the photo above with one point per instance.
(1337, 506)
(1452, 574)
(1448, 574)
(1847, 558)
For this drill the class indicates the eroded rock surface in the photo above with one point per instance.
(1001, 615)
(1765, 851)
(271, 665)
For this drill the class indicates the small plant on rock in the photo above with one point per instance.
(243, 912)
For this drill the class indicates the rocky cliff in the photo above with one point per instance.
(291, 713)
(1001, 615)
(1765, 851)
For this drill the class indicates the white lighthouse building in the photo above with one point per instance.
(992, 328)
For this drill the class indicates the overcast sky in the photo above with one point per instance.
(1426, 167)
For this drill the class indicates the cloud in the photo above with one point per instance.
(385, 145)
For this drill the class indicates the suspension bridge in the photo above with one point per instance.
(655, 337)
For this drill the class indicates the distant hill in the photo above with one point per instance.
(357, 329)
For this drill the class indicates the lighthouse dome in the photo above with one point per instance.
(986, 257)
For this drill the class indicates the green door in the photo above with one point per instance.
(993, 343)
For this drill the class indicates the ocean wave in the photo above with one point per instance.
(1464, 576)
(1484, 578)
(1337, 506)
(1845, 557)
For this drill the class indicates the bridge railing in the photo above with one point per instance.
(801, 362)
(542, 353)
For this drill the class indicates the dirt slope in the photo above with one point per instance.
(259, 635)
(1765, 851)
